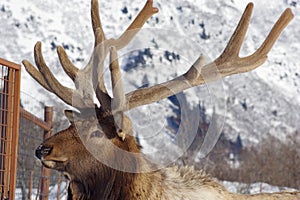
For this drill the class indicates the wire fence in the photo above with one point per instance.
(9, 120)
(22, 177)
(33, 180)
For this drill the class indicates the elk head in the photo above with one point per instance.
(90, 135)
(100, 128)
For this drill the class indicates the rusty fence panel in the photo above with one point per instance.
(21, 175)
(9, 125)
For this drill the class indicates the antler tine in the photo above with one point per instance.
(64, 93)
(118, 102)
(280, 25)
(116, 80)
(121, 42)
(103, 97)
(228, 63)
(36, 75)
(236, 41)
(147, 11)
(67, 65)
(98, 58)
(101, 91)
(96, 23)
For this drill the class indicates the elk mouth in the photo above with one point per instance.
(49, 163)
(54, 164)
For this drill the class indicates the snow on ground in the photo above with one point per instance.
(254, 188)
(53, 192)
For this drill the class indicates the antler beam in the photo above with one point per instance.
(228, 63)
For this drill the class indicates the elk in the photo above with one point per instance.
(98, 153)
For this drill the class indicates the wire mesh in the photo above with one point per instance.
(20, 173)
(9, 117)
(29, 174)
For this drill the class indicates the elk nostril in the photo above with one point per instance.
(42, 151)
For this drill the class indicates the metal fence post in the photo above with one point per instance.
(43, 191)
(15, 129)
(30, 185)
(58, 187)
(45, 176)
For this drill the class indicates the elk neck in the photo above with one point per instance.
(103, 182)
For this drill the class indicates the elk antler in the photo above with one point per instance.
(90, 78)
(226, 64)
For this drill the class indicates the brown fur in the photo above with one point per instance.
(71, 151)
(92, 180)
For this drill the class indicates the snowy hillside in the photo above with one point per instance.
(253, 105)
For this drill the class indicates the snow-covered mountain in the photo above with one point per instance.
(254, 105)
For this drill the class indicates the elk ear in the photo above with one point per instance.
(71, 115)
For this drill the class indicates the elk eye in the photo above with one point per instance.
(97, 134)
